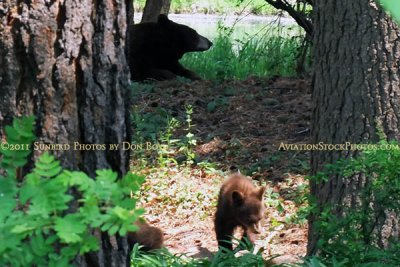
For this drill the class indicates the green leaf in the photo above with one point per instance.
(80, 179)
(27, 192)
(47, 166)
(113, 230)
(39, 246)
(18, 229)
(106, 226)
(122, 231)
(69, 252)
(48, 173)
(91, 211)
(46, 158)
(90, 244)
(56, 260)
(139, 212)
(70, 228)
(51, 239)
(106, 176)
(122, 213)
(132, 182)
(25, 129)
(128, 203)
(8, 202)
(10, 131)
(7, 186)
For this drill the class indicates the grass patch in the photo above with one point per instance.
(265, 54)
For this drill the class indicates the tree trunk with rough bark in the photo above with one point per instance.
(356, 91)
(153, 8)
(64, 62)
(165, 7)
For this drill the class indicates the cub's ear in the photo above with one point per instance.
(237, 198)
(163, 19)
(261, 192)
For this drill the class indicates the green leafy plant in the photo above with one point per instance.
(167, 142)
(41, 222)
(161, 258)
(187, 147)
(223, 258)
(351, 237)
(149, 126)
(158, 128)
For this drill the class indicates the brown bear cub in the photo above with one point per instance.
(239, 204)
(149, 237)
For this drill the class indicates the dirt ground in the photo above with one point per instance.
(237, 125)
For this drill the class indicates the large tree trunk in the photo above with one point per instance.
(64, 62)
(356, 90)
(153, 8)
(165, 7)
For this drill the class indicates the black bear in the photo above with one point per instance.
(156, 47)
(239, 205)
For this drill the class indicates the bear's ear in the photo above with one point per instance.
(162, 19)
(237, 198)
(260, 192)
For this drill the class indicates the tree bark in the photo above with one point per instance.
(64, 62)
(165, 7)
(356, 52)
(153, 8)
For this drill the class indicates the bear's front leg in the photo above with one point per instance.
(179, 70)
(160, 74)
(248, 239)
(224, 232)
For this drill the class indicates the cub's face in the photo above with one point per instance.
(249, 209)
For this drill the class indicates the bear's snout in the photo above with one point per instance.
(203, 44)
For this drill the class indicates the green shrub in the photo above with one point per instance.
(351, 239)
(41, 222)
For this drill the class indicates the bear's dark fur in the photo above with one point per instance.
(156, 47)
(149, 237)
(239, 204)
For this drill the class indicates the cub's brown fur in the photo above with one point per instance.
(149, 237)
(239, 204)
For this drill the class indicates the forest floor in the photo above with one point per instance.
(237, 125)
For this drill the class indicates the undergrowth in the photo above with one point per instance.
(223, 258)
(238, 59)
(350, 235)
(49, 216)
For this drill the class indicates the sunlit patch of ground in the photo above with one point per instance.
(238, 125)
